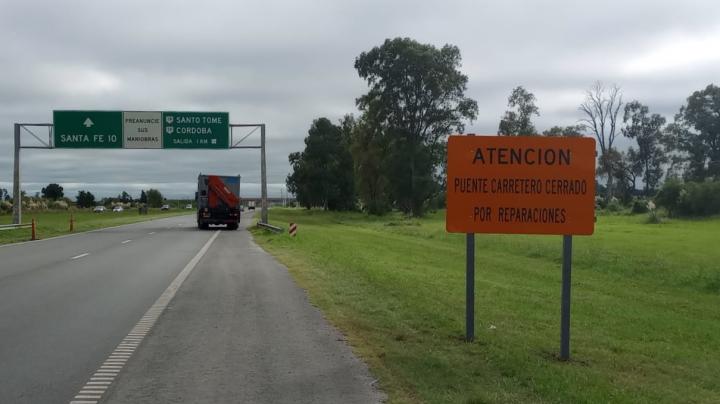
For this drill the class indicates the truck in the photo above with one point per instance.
(218, 201)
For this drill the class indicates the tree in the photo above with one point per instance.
(85, 199)
(696, 134)
(369, 151)
(106, 201)
(154, 198)
(601, 108)
(646, 129)
(143, 197)
(627, 170)
(518, 122)
(52, 192)
(4, 195)
(322, 175)
(416, 98)
(670, 196)
(124, 197)
(568, 131)
(610, 166)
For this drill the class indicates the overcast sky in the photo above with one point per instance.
(287, 63)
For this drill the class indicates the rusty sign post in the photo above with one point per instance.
(521, 185)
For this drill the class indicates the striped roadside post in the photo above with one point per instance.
(292, 229)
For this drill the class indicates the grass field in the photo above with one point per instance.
(645, 308)
(50, 224)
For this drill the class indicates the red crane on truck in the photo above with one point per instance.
(218, 201)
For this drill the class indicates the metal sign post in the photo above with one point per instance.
(470, 288)
(263, 179)
(263, 166)
(17, 199)
(565, 300)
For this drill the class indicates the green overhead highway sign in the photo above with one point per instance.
(87, 129)
(196, 130)
(141, 129)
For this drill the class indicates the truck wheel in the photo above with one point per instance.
(232, 226)
(203, 226)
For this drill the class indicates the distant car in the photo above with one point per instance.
(188, 206)
(118, 209)
(165, 207)
(99, 209)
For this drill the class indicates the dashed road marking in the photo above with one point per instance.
(152, 232)
(105, 375)
(80, 256)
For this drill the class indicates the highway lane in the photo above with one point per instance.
(240, 330)
(65, 303)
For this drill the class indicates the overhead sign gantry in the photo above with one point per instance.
(92, 129)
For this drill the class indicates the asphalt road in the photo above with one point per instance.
(60, 316)
(241, 331)
(238, 330)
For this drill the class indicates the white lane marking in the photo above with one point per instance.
(93, 388)
(152, 232)
(80, 256)
(126, 241)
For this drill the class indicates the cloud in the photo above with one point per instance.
(677, 52)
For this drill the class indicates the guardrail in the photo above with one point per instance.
(270, 227)
(15, 226)
(30, 225)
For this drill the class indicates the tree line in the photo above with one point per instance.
(85, 199)
(152, 198)
(392, 156)
(686, 151)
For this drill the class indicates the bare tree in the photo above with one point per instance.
(601, 107)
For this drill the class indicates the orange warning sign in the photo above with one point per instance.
(521, 185)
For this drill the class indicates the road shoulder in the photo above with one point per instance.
(240, 330)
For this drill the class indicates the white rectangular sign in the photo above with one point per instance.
(142, 130)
